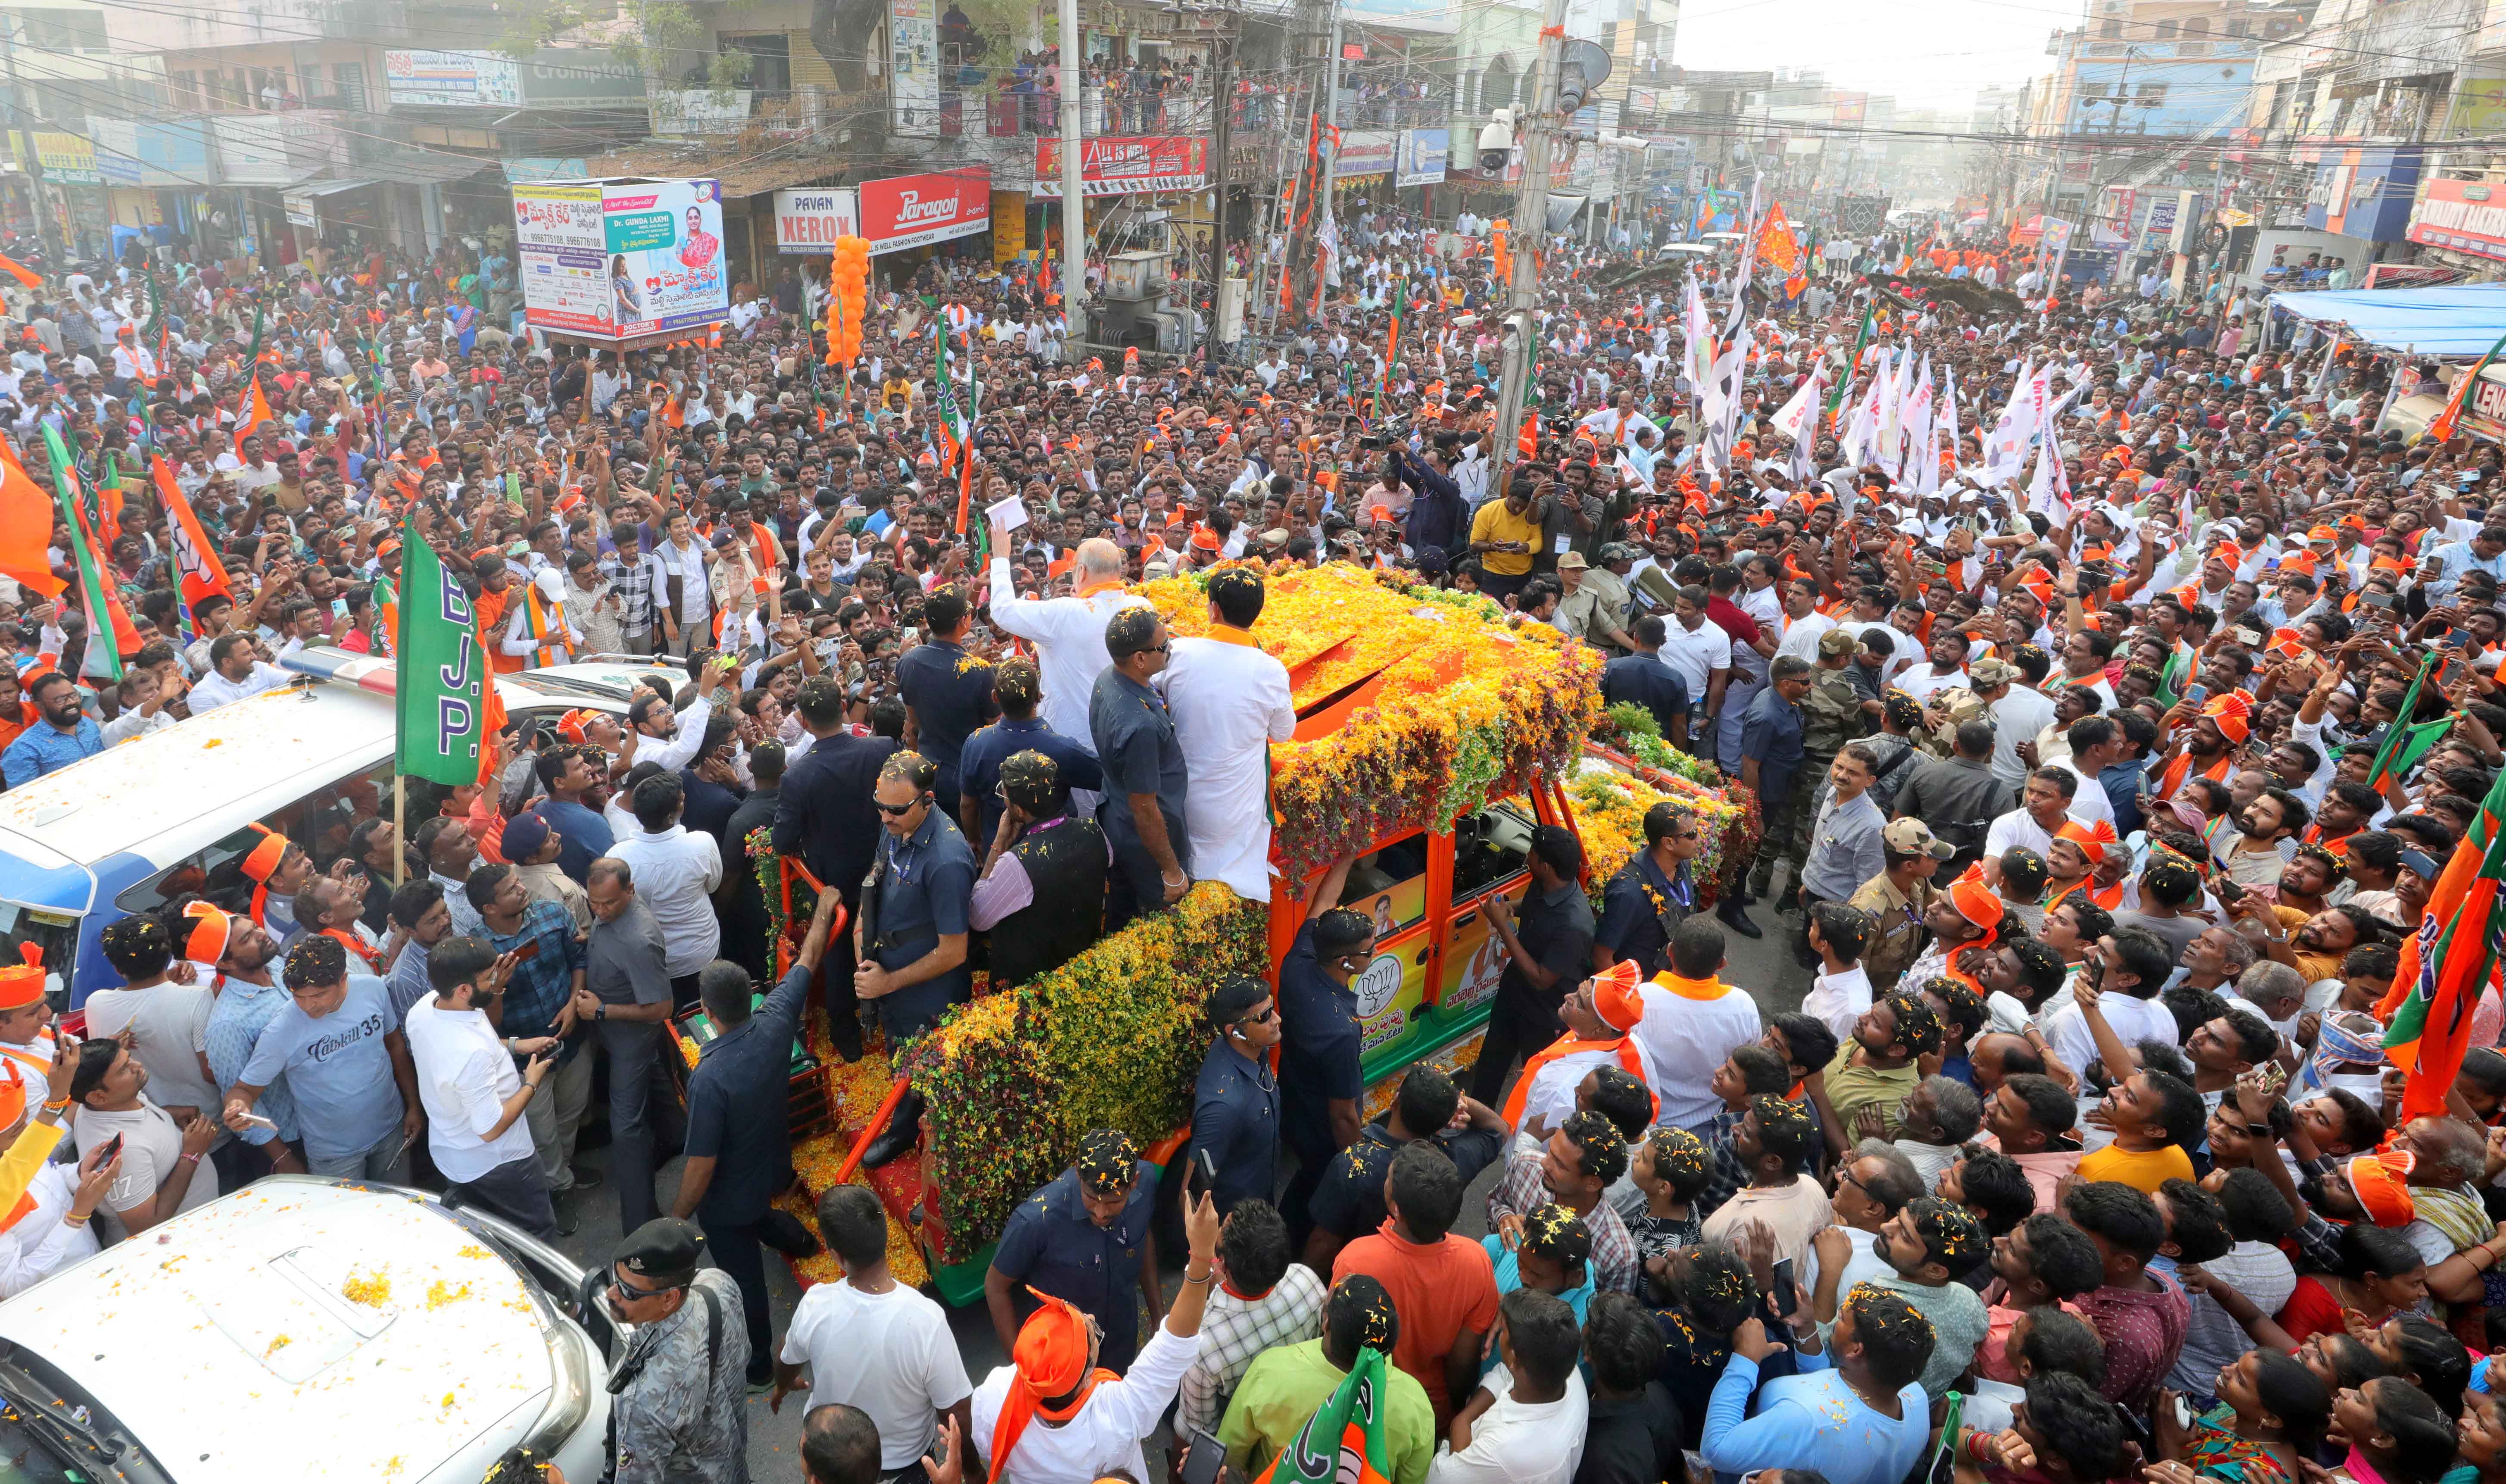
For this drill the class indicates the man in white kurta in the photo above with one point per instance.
(1068, 633)
(1229, 702)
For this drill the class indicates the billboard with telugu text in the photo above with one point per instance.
(618, 259)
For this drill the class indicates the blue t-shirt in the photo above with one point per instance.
(337, 1068)
(583, 835)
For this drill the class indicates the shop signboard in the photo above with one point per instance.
(617, 259)
(2467, 216)
(811, 219)
(173, 152)
(2364, 192)
(692, 113)
(452, 79)
(1121, 165)
(906, 211)
(914, 74)
(1421, 161)
(68, 160)
(1008, 225)
(1365, 152)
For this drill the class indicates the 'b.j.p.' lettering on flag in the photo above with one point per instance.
(440, 670)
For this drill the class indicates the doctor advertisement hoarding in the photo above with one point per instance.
(618, 259)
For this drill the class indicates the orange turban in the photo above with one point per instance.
(2380, 1182)
(211, 931)
(13, 1097)
(1052, 1359)
(1616, 997)
(261, 865)
(2232, 712)
(1974, 902)
(2091, 838)
(23, 983)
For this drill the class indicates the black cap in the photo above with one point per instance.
(661, 1250)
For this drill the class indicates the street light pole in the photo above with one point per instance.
(1530, 228)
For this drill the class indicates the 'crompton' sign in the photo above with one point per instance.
(906, 211)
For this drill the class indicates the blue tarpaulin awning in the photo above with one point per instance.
(2460, 322)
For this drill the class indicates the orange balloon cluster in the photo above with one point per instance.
(849, 278)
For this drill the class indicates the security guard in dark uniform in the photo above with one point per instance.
(912, 934)
(1236, 1100)
(1083, 1239)
(1135, 743)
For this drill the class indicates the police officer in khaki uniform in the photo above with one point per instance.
(1896, 899)
(1831, 716)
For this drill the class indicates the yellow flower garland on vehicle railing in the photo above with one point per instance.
(1111, 1040)
(1609, 809)
(1427, 750)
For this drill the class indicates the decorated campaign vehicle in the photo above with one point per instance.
(1433, 736)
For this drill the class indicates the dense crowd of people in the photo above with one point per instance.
(2079, 1159)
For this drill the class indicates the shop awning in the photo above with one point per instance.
(2460, 322)
(318, 188)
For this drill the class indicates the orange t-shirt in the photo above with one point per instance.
(1439, 1291)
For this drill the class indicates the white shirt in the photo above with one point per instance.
(464, 1076)
(1516, 1443)
(168, 1031)
(1069, 639)
(889, 1354)
(1684, 1041)
(2089, 801)
(2017, 828)
(41, 1243)
(1229, 703)
(1105, 1435)
(1802, 635)
(1839, 1000)
(1920, 680)
(2016, 717)
(2135, 1020)
(214, 690)
(1694, 652)
(676, 873)
(1865, 1263)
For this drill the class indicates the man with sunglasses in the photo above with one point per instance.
(1236, 1100)
(1651, 896)
(911, 935)
(678, 1395)
(1143, 809)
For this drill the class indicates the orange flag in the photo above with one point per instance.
(260, 412)
(25, 528)
(21, 273)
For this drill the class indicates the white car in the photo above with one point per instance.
(133, 826)
(307, 1328)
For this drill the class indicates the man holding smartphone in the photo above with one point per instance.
(475, 1100)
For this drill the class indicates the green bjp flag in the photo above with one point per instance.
(442, 673)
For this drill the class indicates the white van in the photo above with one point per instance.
(307, 1328)
(136, 825)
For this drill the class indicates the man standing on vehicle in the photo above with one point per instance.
(236, 673)
(677, 1396)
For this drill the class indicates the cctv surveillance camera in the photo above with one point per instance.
(1496, 141)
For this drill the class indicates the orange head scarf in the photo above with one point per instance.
(211, 931)
(23, 983)
(2381, 1182)
(2233, 713)
(1616, 995)
(1051, 1357)
(261, 865)
(1975, 902)
(2091, 838)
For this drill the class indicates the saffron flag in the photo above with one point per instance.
(2441, 428)
(1392, 342)
(259, 413)
(21, 273)
(441, 671)
(2447, 964)
(25, 529)
(1342, 1442)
